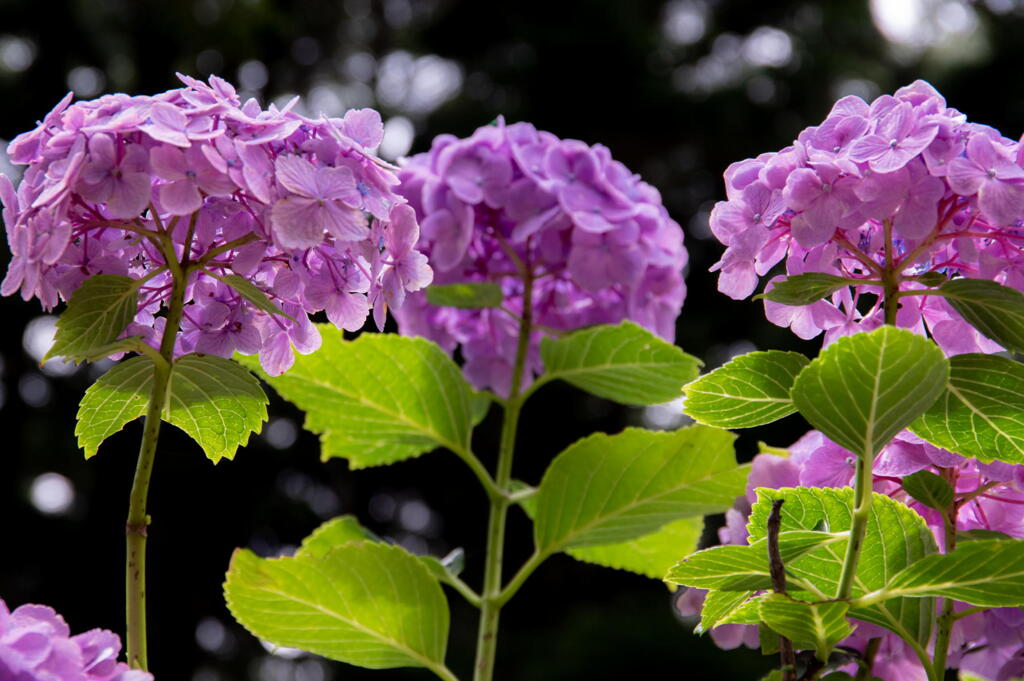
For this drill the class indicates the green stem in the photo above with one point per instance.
(490, 598)
(946, 619)
(858, 525)
(138, 520)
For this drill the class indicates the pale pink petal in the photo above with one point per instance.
(297, 222)
(297, 175)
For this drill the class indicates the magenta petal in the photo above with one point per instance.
(297, 222)
(130, 196)
(297, 175)
(347, 310)
(180, 197)
(1003, 202)
(344, 222)
(965, 177)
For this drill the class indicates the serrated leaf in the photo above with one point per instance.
(380, 398)
(625, 363)
(117, 397)
(720, 607)
(865, 388)
(121, 345)
(650, 555)
(978, 534)
(810, 626)
(332, 534)
(218, 402)
(368, 604)
(986, 572)
(467, 295)
(929, 489)
(750, 390)
(995, 310)
(733, 567)
(981, 412)
(895, 537)
(804, 289)
(250, 292)
(607, 489)
(98, 312)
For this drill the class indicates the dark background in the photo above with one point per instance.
(677, 90)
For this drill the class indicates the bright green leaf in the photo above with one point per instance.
(750, 390)
(365, 603)
(652, 554)
(607, 489)
(380, 398)
(467, 295)
(981, 412)
(98, 312)
(810, 626)
(895, 537)
(804, 289)
(929, 489)
(250, 292)
(625, 363)
(865, 388)
(117, 397)
(332, 534)
(995, 310)
(986, 572)
(218, 402)
(720, 607)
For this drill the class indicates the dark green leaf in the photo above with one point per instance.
(250, 292)
(469, 295)
(865, 388)
(804, 289)
(929, 489)
(750, 390)
(981, 534)
(995, 310)
(98, 312)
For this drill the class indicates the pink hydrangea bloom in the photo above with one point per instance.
(596, 240)
(952, 191)
(36, 645)
(299, 207)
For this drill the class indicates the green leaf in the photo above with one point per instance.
(625, 363)
(364, 603)
(804, 289)
(985, 572)
(217, 402)
(981, 534)
(117, 397)
(929, 489)
(98, 312)
(121, 345)
(750, 390)
(607, 489)
(467, 295)
(250, 292)
(720, 607)
(865, 388)
(734, 567)
(650, 555)
(810, 626)
(995, 310)
(981, 412)
(332, 534)
(931, 279)
(895, 537)
(380, 398)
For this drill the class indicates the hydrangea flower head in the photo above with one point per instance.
(36, 645)
(511, 204)
(299, 207)
(948, 192)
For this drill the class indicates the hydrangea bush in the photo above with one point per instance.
(899, 224)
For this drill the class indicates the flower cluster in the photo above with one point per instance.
(520, 207)
(989, 644)
(904, 184)
(298, 207)
(35, 644)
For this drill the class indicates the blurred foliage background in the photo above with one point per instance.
(677, 90)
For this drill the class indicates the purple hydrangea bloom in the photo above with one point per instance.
(36, 645)
(596, 241)
(297, 206)
(989, 644)
(952, 191)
